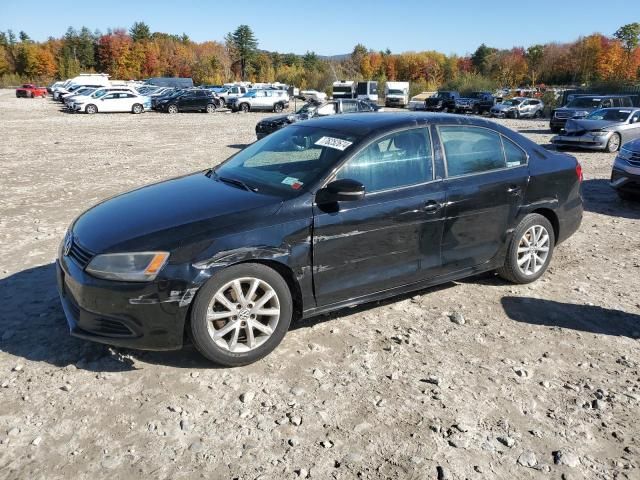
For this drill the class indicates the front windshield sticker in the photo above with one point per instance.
(624, 111)
(293, 182)
(331, 142)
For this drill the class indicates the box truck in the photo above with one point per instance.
(396, 94)
(344, 89)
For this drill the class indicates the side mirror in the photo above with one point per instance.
(345, 190)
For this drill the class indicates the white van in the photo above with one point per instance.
(367, 90)
(396, 94)
(344, 89)
(85, 80)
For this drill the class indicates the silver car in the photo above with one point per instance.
(518, 107)
(604, 129)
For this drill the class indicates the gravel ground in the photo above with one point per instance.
(476, 379)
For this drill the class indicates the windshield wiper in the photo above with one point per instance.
(233, 181)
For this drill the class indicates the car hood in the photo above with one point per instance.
(278, 118)
(502, 106)
(575, 125)
(164, 215)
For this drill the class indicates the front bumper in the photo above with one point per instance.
(581, 141)
(625, 177)
(145, 316)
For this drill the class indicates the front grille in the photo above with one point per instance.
(79, 254)
(561, 114)
(634, 161)
(109, 327)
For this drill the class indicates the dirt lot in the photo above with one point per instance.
(539, 381)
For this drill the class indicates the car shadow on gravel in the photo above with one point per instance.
(599, 197)
(585, 318)
(33, 325)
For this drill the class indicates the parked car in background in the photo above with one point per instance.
(196, 100)
(312, 110)
(344, 89)
(418, 102)
(605, 129)
(172, 82)
(331, 213)
(234, 91)
(518, 107)
(313, 95)
(476, 103)
(84, 79)
(69, 99)
(396, 94)
(29, 90)
(54, 85)
(625, 175)
(271, 100)
(582, 105)
(443, 101)
(80, 101)
(112, 102)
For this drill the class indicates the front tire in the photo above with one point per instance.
(613, 144)
(278, 107)
(244, 107)
(172, 109)
(91, 109)
(137, 109)
(210, 108)
(530, 250)
(241, 314)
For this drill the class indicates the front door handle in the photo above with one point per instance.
(514, 190)
(431, 206)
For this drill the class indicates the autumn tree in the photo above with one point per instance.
(534, 56)
(242, 45)
(480, 58)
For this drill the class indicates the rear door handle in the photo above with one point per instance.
(514, 190)
(431, 206)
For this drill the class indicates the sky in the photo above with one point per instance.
(333, 27)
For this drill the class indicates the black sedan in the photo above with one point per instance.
(329, 213)
(312, 110)
(625, 175)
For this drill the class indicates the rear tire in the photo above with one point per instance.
(233, 348)
(278, 107)
(91, 109)
(529, 255)
(172, 109)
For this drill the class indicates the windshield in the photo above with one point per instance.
(307, 108)
(395, 91)
(348, 89)
(99, 93)
(613, 114)
(289, 160)
(584, 102)
(511, 102)
(443, 95)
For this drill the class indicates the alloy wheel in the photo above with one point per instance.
(243, 314)
(533, 250)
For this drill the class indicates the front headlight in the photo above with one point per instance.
(599, 134)
(128, 267)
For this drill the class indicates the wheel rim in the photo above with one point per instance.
(533, 250)
(210, 108)
(243, 314)
(278, 108)
(614, 143)
(173, 109)
(137, 109)
(244, 107)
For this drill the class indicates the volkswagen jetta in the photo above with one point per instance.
(318, 216)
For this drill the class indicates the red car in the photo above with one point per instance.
(29, 90)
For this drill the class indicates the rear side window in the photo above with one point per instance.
(514, 154)
(349, 107)
(471, 150)
(397, 160)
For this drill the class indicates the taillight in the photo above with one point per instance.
(579, 171)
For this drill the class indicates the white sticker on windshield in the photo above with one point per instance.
(513, 164)
(293, 183)
(624, 111)
(331, 142)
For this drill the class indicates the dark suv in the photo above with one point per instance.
(582, 105)
(190, 101)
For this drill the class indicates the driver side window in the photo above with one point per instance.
(397, 160)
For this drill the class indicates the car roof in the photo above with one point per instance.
(361, 124)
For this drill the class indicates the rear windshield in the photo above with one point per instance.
(584, 102)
